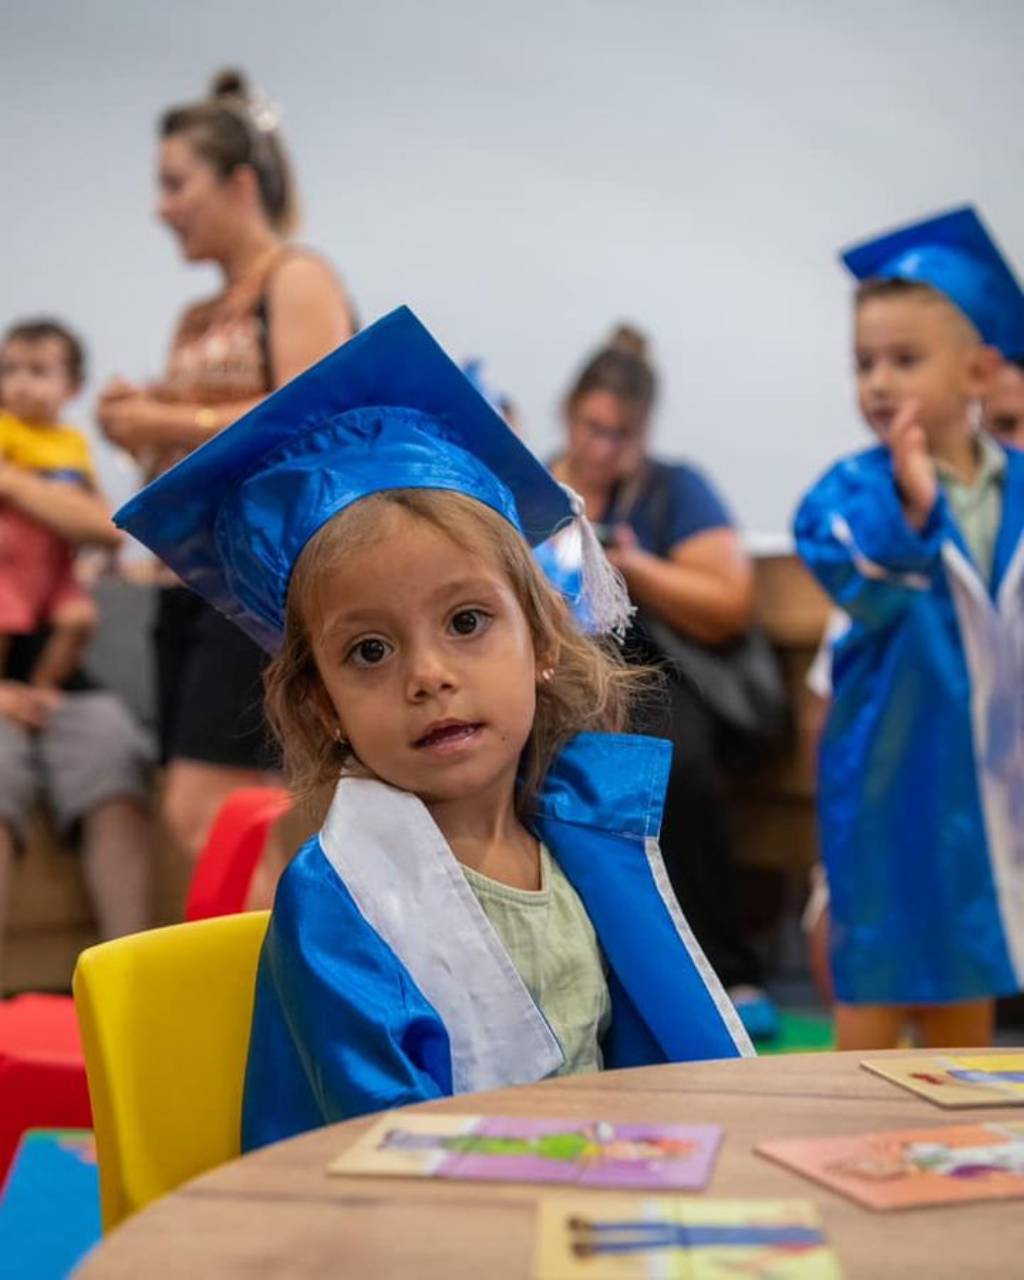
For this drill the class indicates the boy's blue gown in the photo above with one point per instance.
(921, 786)
(382, 983)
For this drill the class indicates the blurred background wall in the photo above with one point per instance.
(526, 174)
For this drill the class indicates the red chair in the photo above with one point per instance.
(42, 1074)
(228, 862)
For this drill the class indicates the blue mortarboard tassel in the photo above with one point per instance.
(388, 410)
(954, 253)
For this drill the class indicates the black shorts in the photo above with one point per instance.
(209, 686)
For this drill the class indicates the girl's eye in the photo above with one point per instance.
(468, 622)
(369, 652)
(906, 360)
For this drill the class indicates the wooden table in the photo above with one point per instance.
(276, 1213)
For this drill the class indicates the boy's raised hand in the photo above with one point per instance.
(912, 464)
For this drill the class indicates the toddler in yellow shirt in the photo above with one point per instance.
(41, 369)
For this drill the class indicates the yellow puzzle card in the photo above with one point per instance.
(680, 1238)
(958, 1080)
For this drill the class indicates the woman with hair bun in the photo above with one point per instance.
(670, 535)
(226, 193)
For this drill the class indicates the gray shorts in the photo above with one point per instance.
(90, 750)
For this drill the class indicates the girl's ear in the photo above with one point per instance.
(547, 661)
(324, 712)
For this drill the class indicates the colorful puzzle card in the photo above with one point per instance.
(589, 1153)
(625, 1238)
(909, 1167)
(958, 1080)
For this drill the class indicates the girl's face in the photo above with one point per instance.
(607, 438)
(428, 662)
(200, 207)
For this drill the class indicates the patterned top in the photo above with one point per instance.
(550, 940)
(220, 352)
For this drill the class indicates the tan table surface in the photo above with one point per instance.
(277, 1213)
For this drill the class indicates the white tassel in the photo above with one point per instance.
(604, 595)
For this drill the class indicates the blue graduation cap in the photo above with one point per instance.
(955, 254)
(388, 410)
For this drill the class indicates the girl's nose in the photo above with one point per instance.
(428, 674)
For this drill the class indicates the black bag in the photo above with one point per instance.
(740, 683)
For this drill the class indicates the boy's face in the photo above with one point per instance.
(1004, 405)
(915, 346)
(34, 379)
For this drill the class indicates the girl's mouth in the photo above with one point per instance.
(448, 736)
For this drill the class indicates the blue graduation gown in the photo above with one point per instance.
(382, 982)
(921, 785)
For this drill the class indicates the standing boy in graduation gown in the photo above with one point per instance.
(921, 784)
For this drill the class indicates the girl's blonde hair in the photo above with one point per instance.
(585, 685)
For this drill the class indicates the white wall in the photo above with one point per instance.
(526, 174)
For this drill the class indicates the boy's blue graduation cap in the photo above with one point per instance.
(955, 254)
(388, 410)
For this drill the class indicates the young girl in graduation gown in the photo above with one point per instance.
(485, 903)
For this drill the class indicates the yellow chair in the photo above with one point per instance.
(165, 1019)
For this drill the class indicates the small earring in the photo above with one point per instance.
(547, 673)
(339, 739)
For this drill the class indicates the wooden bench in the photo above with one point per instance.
(775, 814)
(49, 918)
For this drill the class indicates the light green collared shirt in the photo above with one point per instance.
(551, 942)
(978, 507)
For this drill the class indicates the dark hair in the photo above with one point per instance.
(38, 330)
(231, 128)
(621, 367)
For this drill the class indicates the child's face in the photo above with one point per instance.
(428, 662)
(34, 379)
(1004, 405)
(916, 347)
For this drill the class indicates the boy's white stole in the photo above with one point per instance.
(404, 878)
(993, 639)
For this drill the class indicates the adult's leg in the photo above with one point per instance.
(815, 924)
(964, 1025)
(17, 792)
(192, 796)
(869, 1026)
(117, 859)
(211, 705)
(97, 763)
(696, 836)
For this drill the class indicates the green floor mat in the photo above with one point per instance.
(800, 1033)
